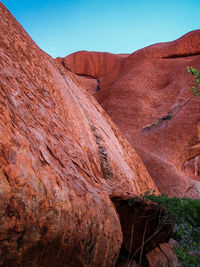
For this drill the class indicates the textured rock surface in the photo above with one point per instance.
(61, 159)
(91, 64)
(162, 116)
(162, 256)
(147, 95)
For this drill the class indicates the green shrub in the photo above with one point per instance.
(196, 74)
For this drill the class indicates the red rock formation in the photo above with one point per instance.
(148, 97)
(162, 256)
(162, 116)
(91, 64)
(61, 159)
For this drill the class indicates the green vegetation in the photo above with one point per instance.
(196, 74)
(186, 213)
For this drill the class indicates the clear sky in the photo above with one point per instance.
(61, 27)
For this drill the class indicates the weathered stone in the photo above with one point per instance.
(151, 102)
(61, 159)
(91, 64)
(162, 256)
(147, 95)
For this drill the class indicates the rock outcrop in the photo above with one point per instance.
(62, 159)
(147, 96)
(91, 64)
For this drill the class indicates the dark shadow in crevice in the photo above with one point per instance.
(98, 86)
(181, 55)
(144, 226)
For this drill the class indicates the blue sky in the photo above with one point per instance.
(61, 27)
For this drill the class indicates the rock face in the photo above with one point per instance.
(162, 256)
(61, 161)
(147, 96)
(91, 64)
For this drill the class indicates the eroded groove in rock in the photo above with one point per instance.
(181, 55)
(103, 155)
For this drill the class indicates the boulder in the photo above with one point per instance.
(62, 159)
(162, 256)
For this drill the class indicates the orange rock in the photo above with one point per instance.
(151, 103)
(147, 96)
(91, 64)
(61, 159)
(162, 256)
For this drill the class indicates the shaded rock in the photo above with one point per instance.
(144, 226)
(124, 263)
(156, 258)
(162, 256)
(61, 159)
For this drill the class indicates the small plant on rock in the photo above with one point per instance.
(196, 74)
